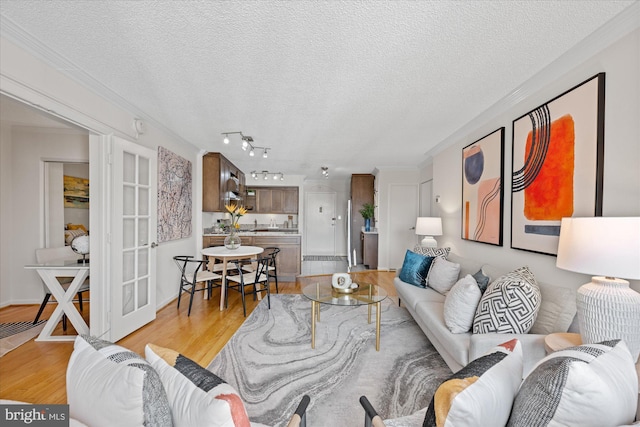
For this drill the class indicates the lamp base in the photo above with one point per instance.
(428, 242)
(609, 309)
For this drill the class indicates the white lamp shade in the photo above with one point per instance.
(603, 246)
(429, 226)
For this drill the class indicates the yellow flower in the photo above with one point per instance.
(237, 226)
(230, 208)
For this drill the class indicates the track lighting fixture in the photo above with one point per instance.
(325, 171)
(266, 174)
(247, 144)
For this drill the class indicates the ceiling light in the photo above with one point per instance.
(275, 176)
(265, 174)
(247, 144)
(281, 177)
(325, 171)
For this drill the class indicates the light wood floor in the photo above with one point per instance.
(35, 371)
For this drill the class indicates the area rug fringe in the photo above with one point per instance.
(270, 362)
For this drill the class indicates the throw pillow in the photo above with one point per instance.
(509, 305)
(433, 252)
(481, 393)
(108, 385)
(588, 385)
(460, 305)
(415, 268)
(557, 310)
(482, 280)
(197, 396)
(442, 275)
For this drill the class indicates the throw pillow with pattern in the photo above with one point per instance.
(433, 252)
(509, 305)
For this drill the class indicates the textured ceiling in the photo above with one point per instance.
(349, 85)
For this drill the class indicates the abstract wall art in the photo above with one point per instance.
(75, 192)
(482, 189)
(557, 163)
(174, 196)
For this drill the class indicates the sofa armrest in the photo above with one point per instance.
(532, 347)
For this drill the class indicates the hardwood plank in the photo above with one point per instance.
(35, 372)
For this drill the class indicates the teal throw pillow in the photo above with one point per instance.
(415, 268)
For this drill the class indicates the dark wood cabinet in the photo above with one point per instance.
(362, 190)
(222, 183)
(369, 249)
(274, 200)
(288, 260)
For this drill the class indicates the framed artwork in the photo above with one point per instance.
(75, 192)
(174, 196)
(558, 151)
(483, 189)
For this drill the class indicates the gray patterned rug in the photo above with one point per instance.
(270, 362)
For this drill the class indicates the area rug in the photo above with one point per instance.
(13, 335)
(270, 362)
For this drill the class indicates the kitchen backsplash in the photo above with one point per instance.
(209, 219)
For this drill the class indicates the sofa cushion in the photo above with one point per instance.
(415, 268)
(433, 252)
(557, 310)
(588, 385)
(197, 396)
(509, 305)
(108, 385)
(481, 393)
(442, 275)
(460, 305)
(457, 345)
(411, 295)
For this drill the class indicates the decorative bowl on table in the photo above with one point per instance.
(342, 283)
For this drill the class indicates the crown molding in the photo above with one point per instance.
(16, 34)
(621, 25)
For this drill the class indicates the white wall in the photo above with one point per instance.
(26, 77)
(621, 63)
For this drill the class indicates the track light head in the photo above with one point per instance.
(226, 139)
(252, 152)
(264, 154)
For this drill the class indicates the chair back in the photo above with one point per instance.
(44, 255)
(189, 267)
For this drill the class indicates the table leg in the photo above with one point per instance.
(223, 289)
(65, 306)
(378, 315)
(313, 323)
(369, 305)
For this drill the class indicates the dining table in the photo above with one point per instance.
(225, 255)
(49, 272)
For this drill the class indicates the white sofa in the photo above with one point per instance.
(557, 314)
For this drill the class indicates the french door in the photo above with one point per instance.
(133, 237)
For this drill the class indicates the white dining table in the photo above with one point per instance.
(224, 255)
(49, 272)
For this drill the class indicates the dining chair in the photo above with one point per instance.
(371, 417)
(61, 253)
(272, 267)
(257, 275)
(192, 273)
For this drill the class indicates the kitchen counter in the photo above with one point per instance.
(277, 232)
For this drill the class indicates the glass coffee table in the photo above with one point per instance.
(323, 293)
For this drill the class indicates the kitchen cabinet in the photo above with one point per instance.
(274, 200)
(222, 183)
(369, 249)
(288, 260)
(362, 190)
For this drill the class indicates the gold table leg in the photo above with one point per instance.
(313, 323)
(378, 315)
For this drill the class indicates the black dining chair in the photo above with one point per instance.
(257, 275)
(193, 274)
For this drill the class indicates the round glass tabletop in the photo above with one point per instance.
(363, 294)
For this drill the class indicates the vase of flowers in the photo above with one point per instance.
(233, 241)
(367, 213)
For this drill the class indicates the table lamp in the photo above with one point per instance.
(610, 247)
(429, 227)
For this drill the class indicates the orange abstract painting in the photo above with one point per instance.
(550, 195)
